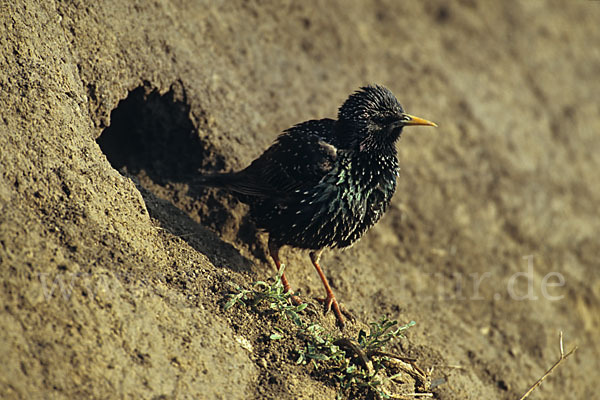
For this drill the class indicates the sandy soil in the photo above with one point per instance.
(113, 270)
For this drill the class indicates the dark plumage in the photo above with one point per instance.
(323, 183)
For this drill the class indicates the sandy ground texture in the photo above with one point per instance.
(113, 270)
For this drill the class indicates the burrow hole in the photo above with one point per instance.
(152, 137)
(153, 133)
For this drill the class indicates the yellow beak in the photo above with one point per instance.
(417, 121)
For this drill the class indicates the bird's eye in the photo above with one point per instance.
(384, 119)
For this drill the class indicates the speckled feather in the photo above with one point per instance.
(324, 183)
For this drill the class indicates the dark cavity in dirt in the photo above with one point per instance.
(154, 133)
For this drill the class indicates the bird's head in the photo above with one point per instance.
(372, 119)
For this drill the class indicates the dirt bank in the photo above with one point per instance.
(113, 271)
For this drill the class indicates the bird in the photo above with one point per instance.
(323, 183)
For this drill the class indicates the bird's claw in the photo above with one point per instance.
(330, 302)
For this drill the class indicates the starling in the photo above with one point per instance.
(324, 182)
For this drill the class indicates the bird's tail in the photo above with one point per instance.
(237, 182)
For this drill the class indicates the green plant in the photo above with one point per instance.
(274, 295)
(380, 334)
(319, 346)
(358, 365)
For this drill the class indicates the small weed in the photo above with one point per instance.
(380, 334)
(319, 346)
(360, 366)
(274, 296)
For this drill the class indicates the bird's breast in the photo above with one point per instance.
(336, 211)
(368, 185)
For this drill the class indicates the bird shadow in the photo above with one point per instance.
(152, 140)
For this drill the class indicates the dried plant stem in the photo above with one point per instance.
(563, 357)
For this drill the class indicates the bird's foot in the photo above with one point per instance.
(288, 289)
(295, 300)
(330, 302)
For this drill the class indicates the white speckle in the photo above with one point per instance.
(245, 343)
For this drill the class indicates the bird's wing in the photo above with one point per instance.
(298, 159)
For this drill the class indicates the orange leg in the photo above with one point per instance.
(329, 301)
(274, 252)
